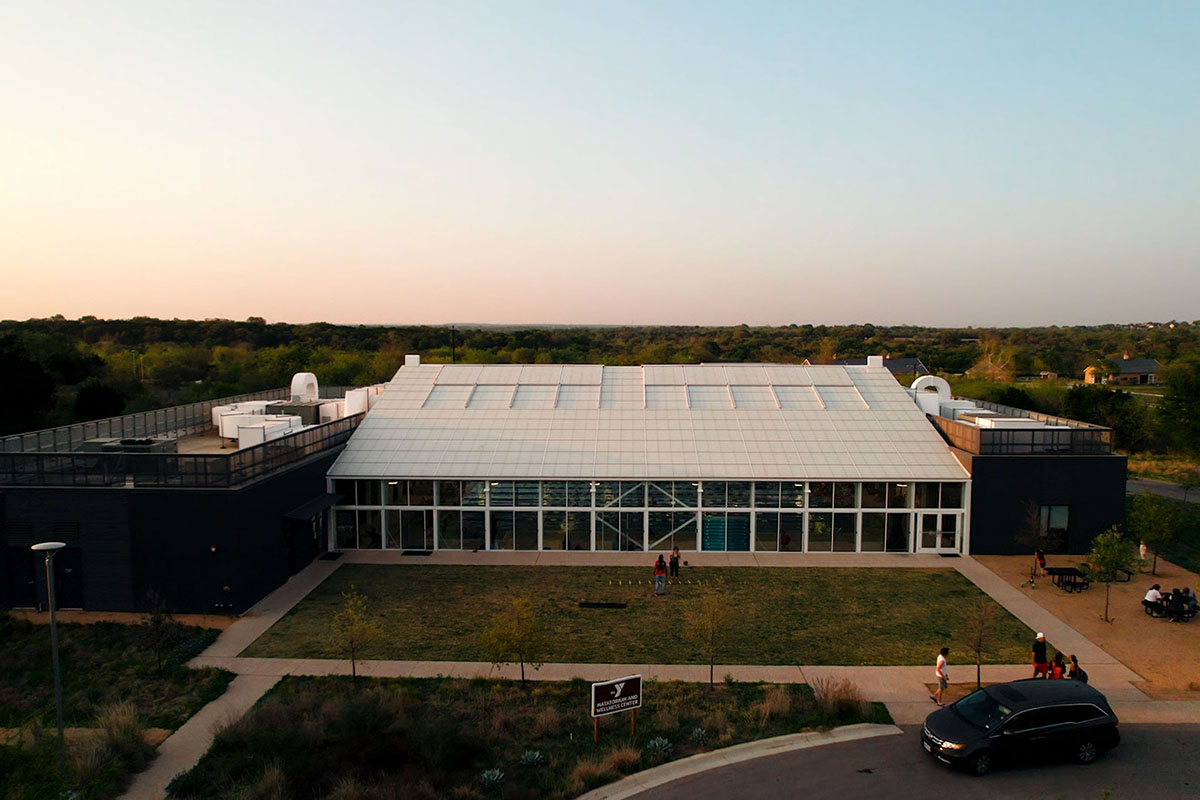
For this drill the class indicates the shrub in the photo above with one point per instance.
(547, 721)
(665, 719)
(350, 788)
(533, 758)
(590, 773)
(838, 698)
(699, 735)
(659, 747)
(272, 784)
(622, 758)
(777, 701)
(492, 779)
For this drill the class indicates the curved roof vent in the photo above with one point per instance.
(304, 387)
(927, 382)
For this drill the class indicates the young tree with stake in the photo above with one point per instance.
(707, 623)
(1111, 554)
(516, 635)
(352, 631)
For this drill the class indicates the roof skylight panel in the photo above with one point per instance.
(491, 396)
(802, 398)
(708, 397)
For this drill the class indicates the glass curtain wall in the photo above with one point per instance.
(631, 516)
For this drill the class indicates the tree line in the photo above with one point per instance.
(66, 370)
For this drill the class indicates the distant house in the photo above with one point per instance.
(896, 366)
(1130, 372)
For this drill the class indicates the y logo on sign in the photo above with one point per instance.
(618, 687)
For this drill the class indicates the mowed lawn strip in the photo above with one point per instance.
(851, 616)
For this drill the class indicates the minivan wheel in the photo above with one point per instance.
(981, 763)
(1085, 751)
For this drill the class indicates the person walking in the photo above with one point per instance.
(943, 677)
(660, 576)
(674, 565)
(1041, 664)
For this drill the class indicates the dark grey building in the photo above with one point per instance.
(155, 504)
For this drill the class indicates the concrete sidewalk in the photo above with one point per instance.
(644, 560)
(182, 749)
(1059, 634)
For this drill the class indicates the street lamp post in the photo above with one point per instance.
(50, 548)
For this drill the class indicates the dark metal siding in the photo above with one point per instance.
(135, 540)
(1003, 486)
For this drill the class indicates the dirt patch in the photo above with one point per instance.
(1166, 654)
(218, 621)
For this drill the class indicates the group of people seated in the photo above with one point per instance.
(1177, 605)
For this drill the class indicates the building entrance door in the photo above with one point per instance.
(938, 532)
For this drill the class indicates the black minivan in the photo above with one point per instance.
(1021, 722)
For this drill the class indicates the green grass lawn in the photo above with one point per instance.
(334, 737)
(814, 616)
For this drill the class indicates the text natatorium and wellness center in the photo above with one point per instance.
(713, 457)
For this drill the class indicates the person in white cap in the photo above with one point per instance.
(1041, 664)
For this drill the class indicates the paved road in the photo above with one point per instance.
(1162, 489)
(1152, 761)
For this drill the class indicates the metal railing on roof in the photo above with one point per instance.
(185, 420)
(180, 421)
(145, 470)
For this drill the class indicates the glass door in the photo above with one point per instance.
(938, 532)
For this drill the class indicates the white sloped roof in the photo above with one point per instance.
(716, 421)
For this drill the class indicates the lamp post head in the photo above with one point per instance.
(48, 547)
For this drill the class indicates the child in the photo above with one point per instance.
(1057, 667)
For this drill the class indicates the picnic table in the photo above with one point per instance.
(1069, 579)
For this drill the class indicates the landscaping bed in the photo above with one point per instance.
(337, 737)
(112, 687)
(807, 616)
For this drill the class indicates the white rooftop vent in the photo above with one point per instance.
(304, 387)
(412, 360)
(874, 361)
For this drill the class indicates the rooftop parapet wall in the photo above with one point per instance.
(1091, 440)
(1049, 419)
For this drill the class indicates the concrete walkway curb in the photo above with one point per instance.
(648, 779)
(1058, 633)
(184, 748)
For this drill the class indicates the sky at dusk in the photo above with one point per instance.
(956, 163)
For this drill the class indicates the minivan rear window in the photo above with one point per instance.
(981, 710)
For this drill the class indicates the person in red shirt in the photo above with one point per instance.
(660, 575)
(1057, 667)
